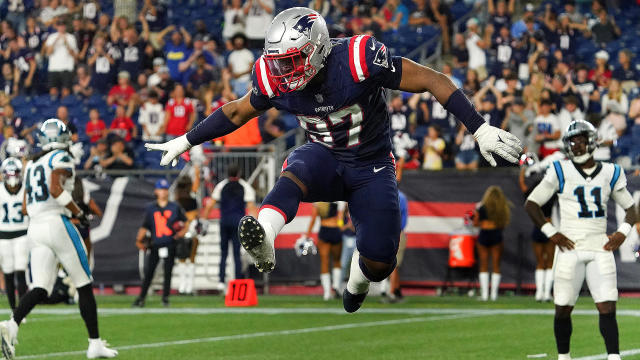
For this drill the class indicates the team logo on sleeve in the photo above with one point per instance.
(303, 26)
(382, 58)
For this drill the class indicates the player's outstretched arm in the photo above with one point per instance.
(222, 122)
(417, 78)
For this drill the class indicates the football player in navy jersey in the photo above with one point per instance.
(336, 88)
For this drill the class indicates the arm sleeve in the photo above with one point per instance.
(545, 190)
(215, 194)
(249, 193)
(623, 198)
(61, 160)
(370, 59)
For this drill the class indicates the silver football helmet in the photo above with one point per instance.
(580, 127)
(12, 171)
(295, 48)
(17, 148)
(54, 134)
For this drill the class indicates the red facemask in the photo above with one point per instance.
(291, 70)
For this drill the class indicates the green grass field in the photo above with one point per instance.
(303, 327)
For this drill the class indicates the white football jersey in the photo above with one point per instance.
(11, 217)
(583, 200)
(37, 183)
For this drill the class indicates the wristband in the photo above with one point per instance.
(624, 229)
(463, 110)
(64, 198)
(548, 230)
(212, 127)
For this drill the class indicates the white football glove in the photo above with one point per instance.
(171, 149)
(494, 140)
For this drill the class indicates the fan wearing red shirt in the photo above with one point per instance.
(180, 113)
(123, 126)
(96, 127)
(122, 93)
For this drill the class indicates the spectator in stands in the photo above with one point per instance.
(570, 112)
(179, 113)
(63, 115)
(50, 12)
(211, 47)
(578, 20)
(510, 88)
(151, 119)
(102, 65)
(433, 149)
(155, 14)
(8, 83)
(526, 24)
(122, 94)
(459, 52)
(97, 154)
(614, 107)
(241, 62)
(154, 78)
(175, 51)
(490, 107)
(503, 46)
(393, 14)
(472, 83)
(235, 197)
(16, 14)
(119, 156)
(96, 129)
(501, 13)
(189, 66)
(607, 135)
(201, 77)
(398, 113)
(166, 84)
(133, 47)
(439, 14)
(519, 120)
(587, 89)
(61, 49)
(24, 65)
(492, 215)
(476, 46)
(605, 30)
(259, 14)
(234, 20)
(122, 125)
(34, 35)
(634, 111)
(82, 82)
(467, 157)
(566, 37)
(601, 74)
(626, 72)
(548, 131)
(83, 32)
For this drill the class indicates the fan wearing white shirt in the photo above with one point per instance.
(152, 119)
(61, 49)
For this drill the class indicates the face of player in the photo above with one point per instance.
(579, 145)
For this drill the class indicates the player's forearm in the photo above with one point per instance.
(631, 217)
(535, 213)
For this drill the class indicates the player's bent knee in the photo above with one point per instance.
(563, 311)
(375, 270)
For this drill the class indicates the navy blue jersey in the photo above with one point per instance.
(344, 107)
(160, 222)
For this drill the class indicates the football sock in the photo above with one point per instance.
(182, 273)
(284, 198)
(358, 283)
(272, 222)
(539, 283)
(609, 332)
(191, 272)
(22, 283)
(325, 280)
(495, 285)
(336, 279)
(562, 329)
(28, 302)
(10, 288)
(88, 310)
(566, 356)
(548, 282)
(484, 285)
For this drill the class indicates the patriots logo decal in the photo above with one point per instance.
(381, 58)
(304, 24)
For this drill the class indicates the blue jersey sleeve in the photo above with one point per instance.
(370, 60)
(262, 89)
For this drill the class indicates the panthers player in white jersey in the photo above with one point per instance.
(584, 187)
(14, 252)
(49, 179)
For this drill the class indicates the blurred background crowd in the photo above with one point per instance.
(125, 72)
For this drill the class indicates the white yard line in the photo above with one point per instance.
(263, 334)
(604, 356)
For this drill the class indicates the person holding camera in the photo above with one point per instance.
(165, 221)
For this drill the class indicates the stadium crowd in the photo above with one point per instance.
(126, 72)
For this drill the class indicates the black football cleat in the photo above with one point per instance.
(254, 240)
(165, 301)
(352, 302)
(138, 303)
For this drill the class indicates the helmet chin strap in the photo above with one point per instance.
(581, 159)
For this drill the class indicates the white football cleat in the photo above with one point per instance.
(98, 349)
(254, 240)
(9, 335)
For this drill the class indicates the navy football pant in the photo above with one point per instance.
(369, 188)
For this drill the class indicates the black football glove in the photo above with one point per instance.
(83, 219)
